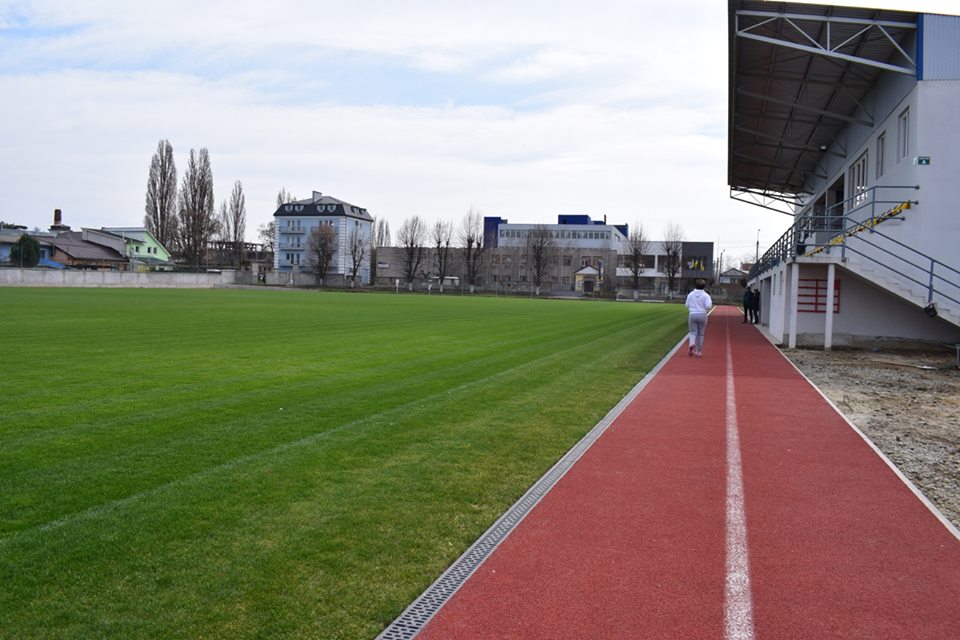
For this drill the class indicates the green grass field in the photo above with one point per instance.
(270, 464)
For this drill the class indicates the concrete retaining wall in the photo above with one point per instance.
(71, 278)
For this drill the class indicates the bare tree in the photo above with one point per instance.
(471, 239)
(673, 247)
(638, 246)
(357, 246)
(321, 247)
(540, 250)
(197, 223)
(381, 232)
(381, 238)
(238, 221)
(267, 232)
(284, 197)
(411, 237)
(161, 207)
(442, 237)
(224, 229)
(223, 234)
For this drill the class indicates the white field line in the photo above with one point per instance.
(738, 604)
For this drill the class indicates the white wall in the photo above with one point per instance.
(867, 313)
(71, 278)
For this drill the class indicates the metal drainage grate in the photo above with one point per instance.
(418, 614)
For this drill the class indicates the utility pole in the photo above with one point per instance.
(757, 260)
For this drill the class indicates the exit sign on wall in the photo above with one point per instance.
(922, 161)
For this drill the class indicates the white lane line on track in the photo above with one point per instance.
(738, 605)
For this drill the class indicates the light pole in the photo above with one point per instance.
(757, 259)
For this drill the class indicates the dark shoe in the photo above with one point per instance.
(690, 351)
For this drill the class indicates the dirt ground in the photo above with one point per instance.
(907, 403)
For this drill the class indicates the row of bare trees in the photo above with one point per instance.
(539, 250)
(185, 220)
(414, 234)
(639, 248)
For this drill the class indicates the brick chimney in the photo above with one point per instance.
(58, 226)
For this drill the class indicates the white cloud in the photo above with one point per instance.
(87, 151)
(611, 108)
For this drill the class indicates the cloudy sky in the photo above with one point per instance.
(519, 108)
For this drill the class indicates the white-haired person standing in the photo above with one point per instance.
(699, 304)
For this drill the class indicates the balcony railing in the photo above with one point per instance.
(855, 232)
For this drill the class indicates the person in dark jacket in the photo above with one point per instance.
(747, 303)
(755, 306)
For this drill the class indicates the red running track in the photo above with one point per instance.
(632, 542)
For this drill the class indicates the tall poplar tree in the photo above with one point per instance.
(161, 205)
(197, 223)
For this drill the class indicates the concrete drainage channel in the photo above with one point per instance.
(418, 614)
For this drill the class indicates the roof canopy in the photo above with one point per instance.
(798, 76)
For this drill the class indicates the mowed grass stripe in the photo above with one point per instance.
(56, 458)
(514, 377)
(323, 520)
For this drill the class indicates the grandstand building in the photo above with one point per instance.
(847, 120)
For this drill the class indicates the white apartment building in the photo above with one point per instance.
(295, 221)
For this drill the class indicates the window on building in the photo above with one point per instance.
(695, 263)
(903, 134)
(567, 260)
(857, 180)
(881, 151)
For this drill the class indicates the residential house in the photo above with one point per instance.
(141, 247)
(89, 249)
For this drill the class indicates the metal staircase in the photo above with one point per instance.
(861, 241)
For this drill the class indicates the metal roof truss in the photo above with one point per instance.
(800, 75)
(829, 49)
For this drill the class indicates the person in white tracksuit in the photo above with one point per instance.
(699, 303)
